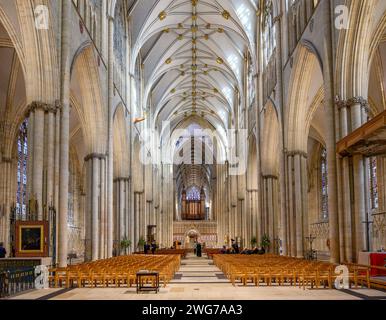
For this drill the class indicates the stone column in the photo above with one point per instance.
(110, 152)
(298, 206)
(346, 190)
(50, 155)
(95, 208)
(328, 76)
(121, 209)
(38, 137)
(30, 139)
(291, 213)
(88, 209)
(356, 104)
(278, 21)
(102, 233)
(7, 179)
(64, 131)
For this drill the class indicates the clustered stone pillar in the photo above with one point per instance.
(270, 207)
(41, 155)
(123, 217)
(110, 144)
(95, 245)
(353, 114)
(7, 193)
(297, 192)
(64, 132)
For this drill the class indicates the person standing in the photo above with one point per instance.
(3, 252)
(146, 248)
(198, 249)
(153, 247)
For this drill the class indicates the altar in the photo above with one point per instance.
(189, 232)
(373, 259)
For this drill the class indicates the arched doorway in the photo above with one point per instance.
(191, 237)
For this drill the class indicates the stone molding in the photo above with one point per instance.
(297, 153)
(46, 107)
(124, 179)
(353, 101)
(270, 176)
(94, 156)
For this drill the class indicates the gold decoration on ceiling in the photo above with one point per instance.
(206, 37)
(168, 61)
(180, 37)
(194, 3)
(166, 30)
(173, 90)
(220, 30)
(219, 60)
(162, 15)
(226, 15)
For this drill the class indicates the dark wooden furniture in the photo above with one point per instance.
(147, 281)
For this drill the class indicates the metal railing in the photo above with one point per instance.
(16, 281)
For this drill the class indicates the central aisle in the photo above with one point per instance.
(198, 270)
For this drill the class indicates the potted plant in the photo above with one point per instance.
(265, 242)
(253, 242)
(141, 243)
(125, 244)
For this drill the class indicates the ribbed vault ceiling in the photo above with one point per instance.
(192, 55)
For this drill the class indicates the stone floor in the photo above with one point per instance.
(199, 279)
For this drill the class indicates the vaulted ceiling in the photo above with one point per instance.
(192, 55)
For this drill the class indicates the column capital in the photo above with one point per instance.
(340, 103)
(6, 159)
(297, 153)
(124, 179)
(357, 100)
(270, 176)
(95, 156)
(46, 107)
(277, 18)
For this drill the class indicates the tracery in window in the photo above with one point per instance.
(193, 193)
(22, 150)
(324, 184)
(373, 183)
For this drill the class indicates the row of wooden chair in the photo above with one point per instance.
(211, 251)
(181, 252)
(272, 269)
(117, 272)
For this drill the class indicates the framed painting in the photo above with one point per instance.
(31, 239)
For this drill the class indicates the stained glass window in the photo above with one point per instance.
(269, 32)
(22, 151)
(324, 184)
(373, 183)
(70, 216)
(193, 193)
